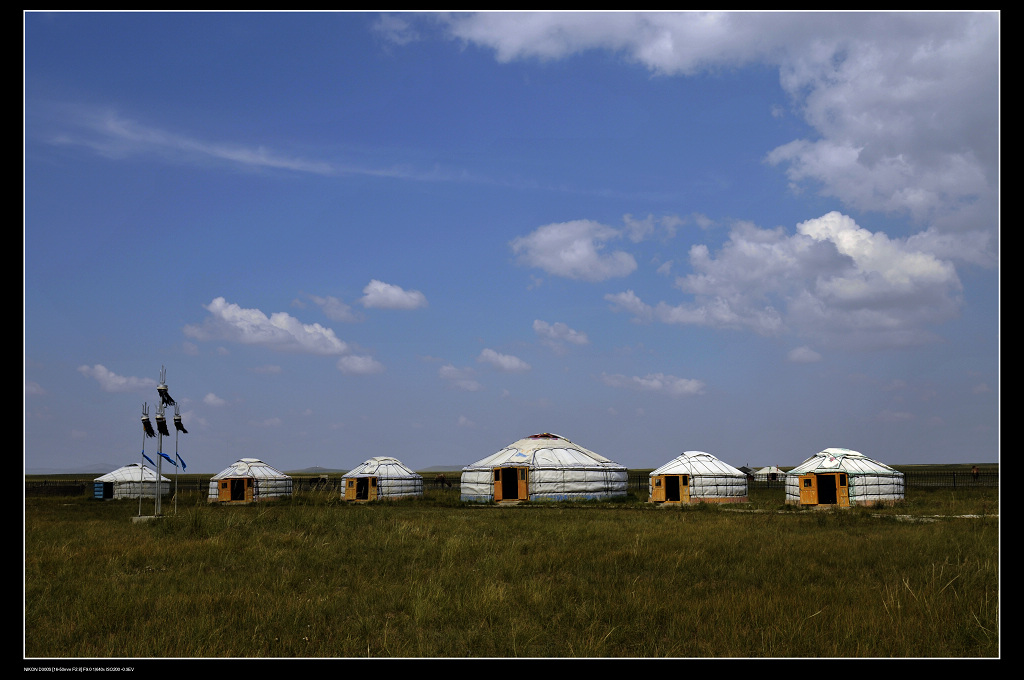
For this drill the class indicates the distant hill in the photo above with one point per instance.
(315, 470)
(85, 469)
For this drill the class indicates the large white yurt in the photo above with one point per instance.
(697, 477)
(248, 480)
(128, 482)
(543, 467)
(381, 478)
(842, 477)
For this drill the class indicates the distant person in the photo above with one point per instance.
(974, 472)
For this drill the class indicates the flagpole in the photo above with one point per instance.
(178, 427)
(142, 463)
(157, 510)
(175, 469)
(147, 431)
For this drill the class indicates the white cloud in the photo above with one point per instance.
(640, 230)
(832, 281)
(279, 331)
(503, 362)
(655, 382)
(904, 105)
(33, 389)
(573, 250)
(460, 378)
(388, 296)
(336, 310)
(111, 382)
(212, 399)
(557, 334)
(359, 365)
(114, 136)
(803, 355)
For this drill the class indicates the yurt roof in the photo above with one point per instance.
(697, 463)
(130, 473)
(545, 450)
(852, 462)
(249, 467)
(770, 470)
(381, 466)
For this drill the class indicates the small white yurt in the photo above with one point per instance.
(381, 478)
(697, 477)
(129, 482)
(248, 480)
(543, 467)
(841, 477)
(771, 473)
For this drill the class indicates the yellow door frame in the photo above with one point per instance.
(658, 489)
(809, 488)
(522, 482)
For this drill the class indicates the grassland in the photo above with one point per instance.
(313, 577)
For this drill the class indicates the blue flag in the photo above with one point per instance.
(148, 458)
(169, 459)
(181, 460)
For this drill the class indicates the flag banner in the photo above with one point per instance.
(169, 459)
(182, 461)
(148, 458)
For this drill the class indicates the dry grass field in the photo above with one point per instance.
(314, 577)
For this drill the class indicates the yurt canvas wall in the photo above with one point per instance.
(125, 482)
(543, 467)
(249, 480)
(381, 478)
(697, 477)
(842, 477)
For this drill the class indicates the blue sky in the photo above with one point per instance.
(429, 235)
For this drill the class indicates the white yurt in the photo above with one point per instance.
(248, 480)
(772, 473)
(842, 477)
(128, 482)
(381, 478)
(543, 467)
(697, 477)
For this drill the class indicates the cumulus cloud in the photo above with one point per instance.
(335, 310)
(460, 378)
(359, 365)
(557, 334)
(279, 331)
(112, 382)
(503, 362)
(388, 296)
(650, 227)
(212, 399)
(832, 280)
(904, 106)
(655, 382)
(574, 250)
